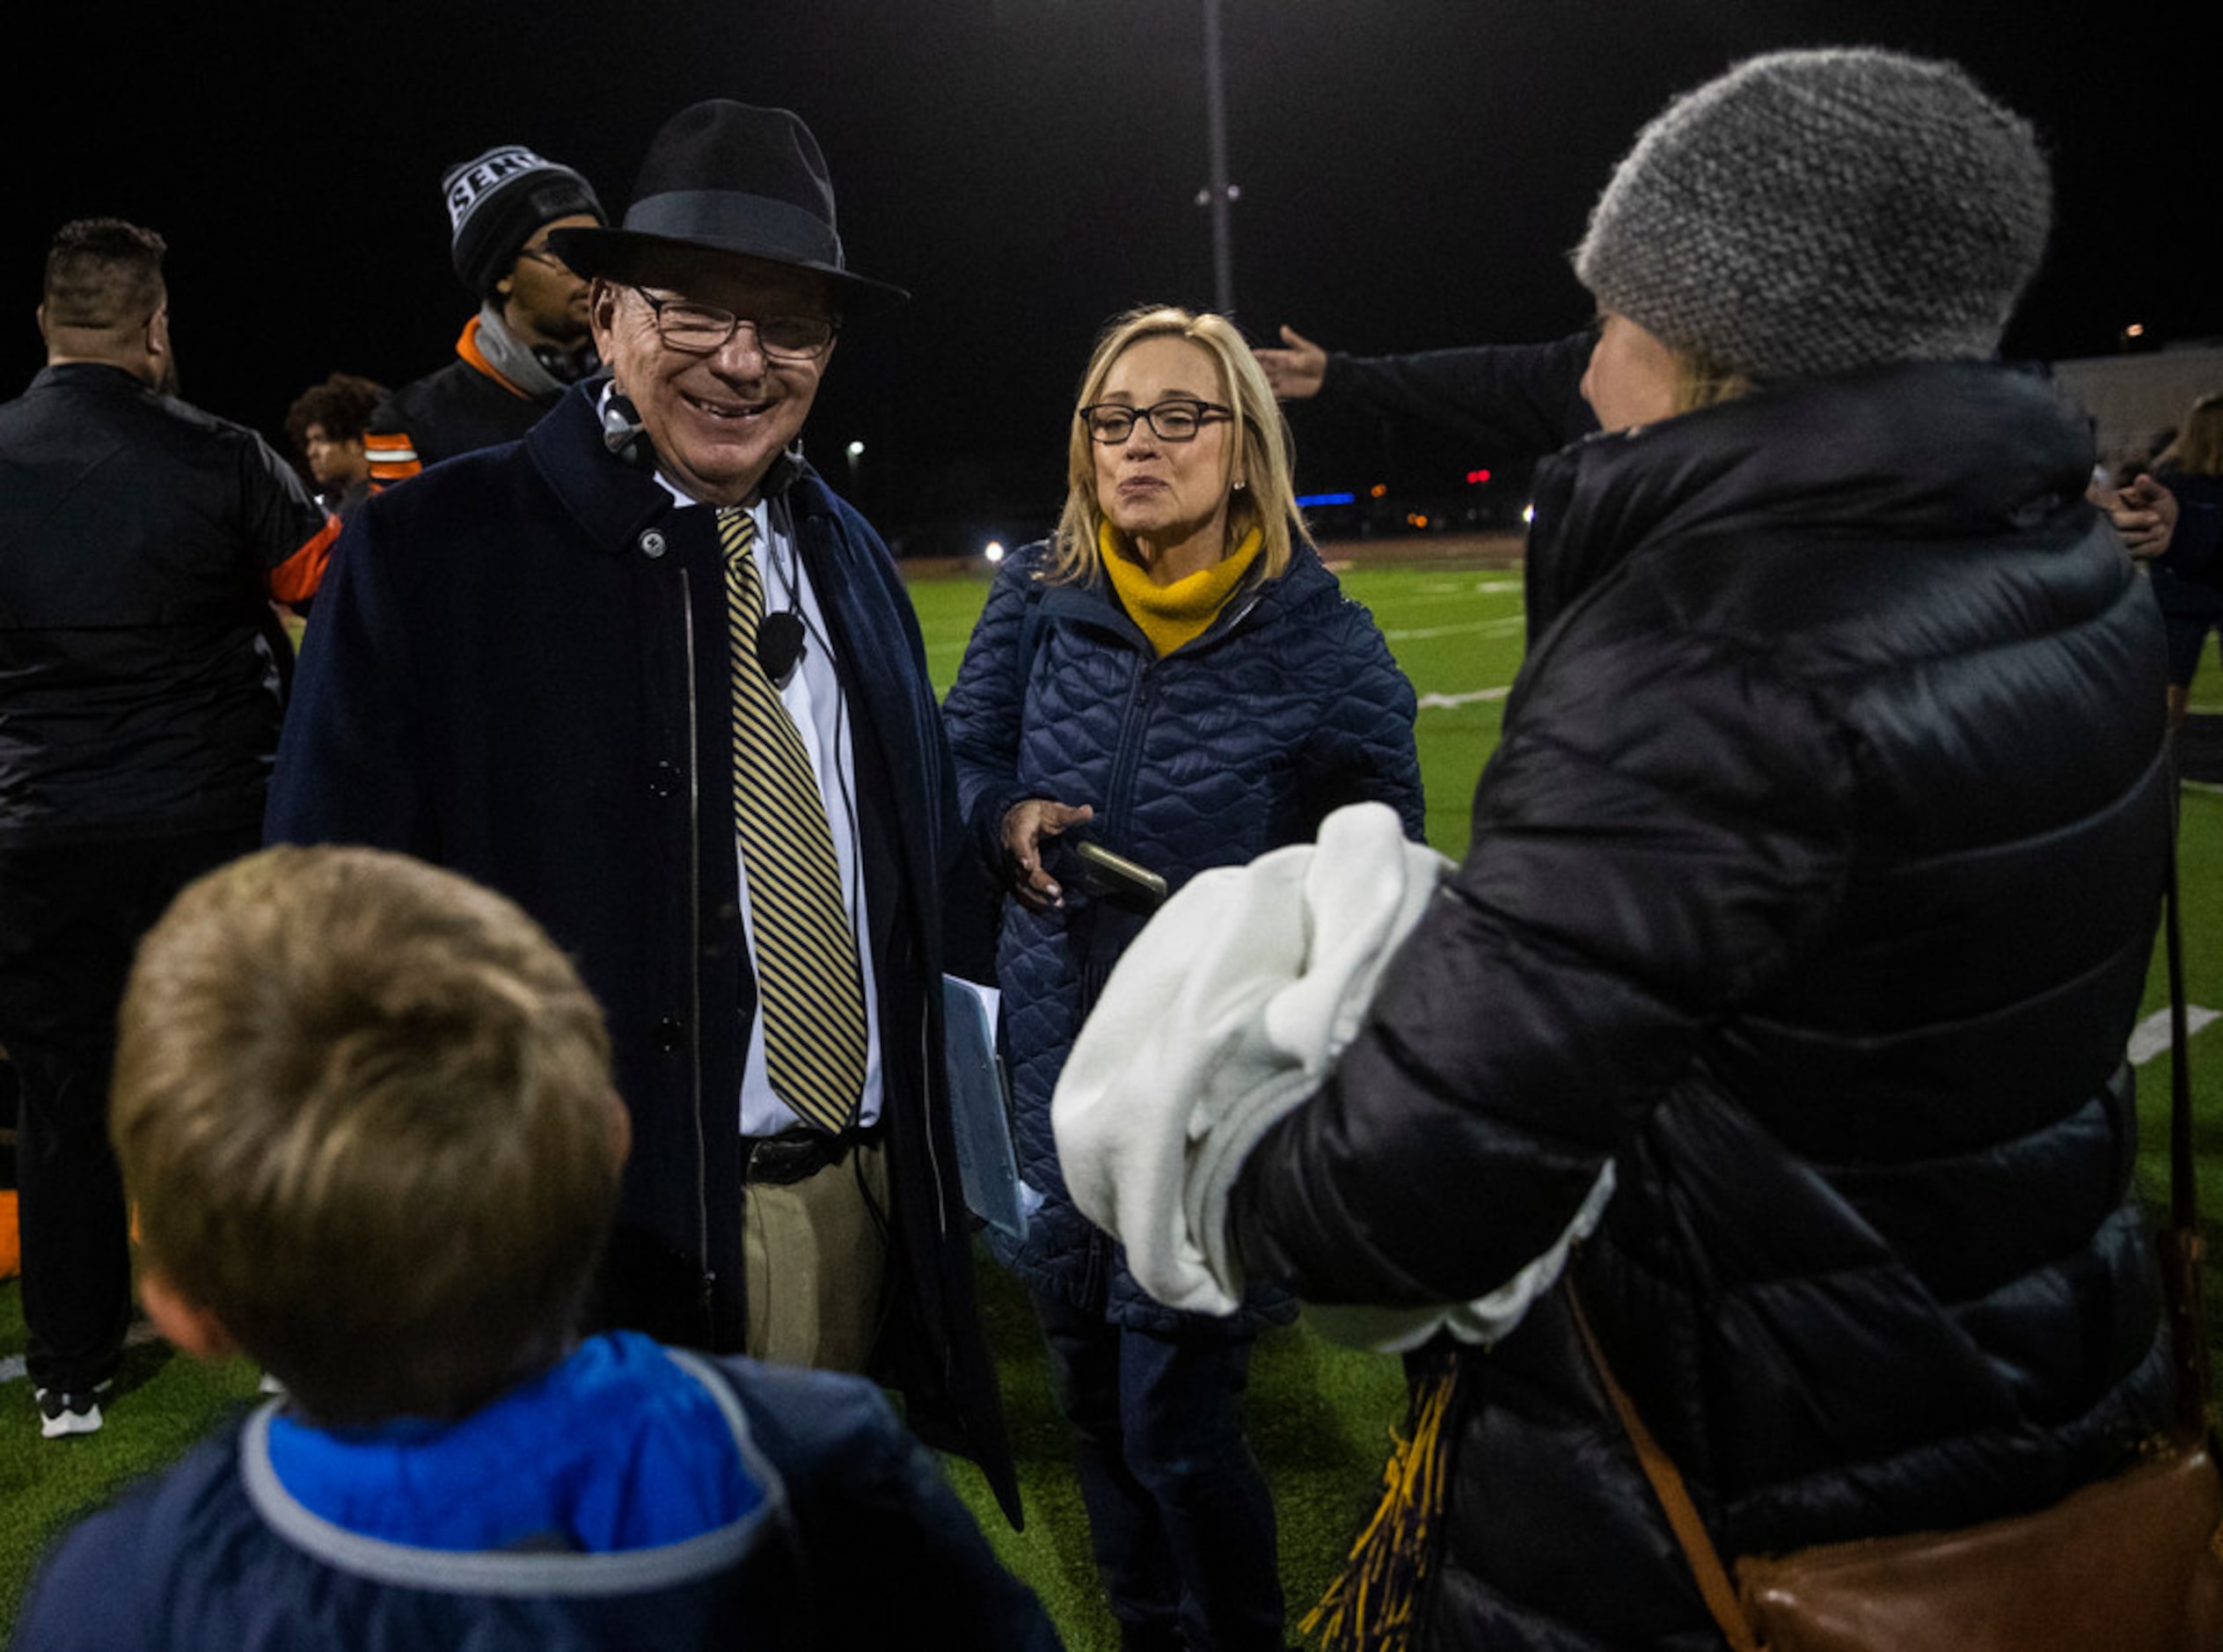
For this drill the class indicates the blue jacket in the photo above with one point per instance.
(1813, 883)
(1287, 707)
(851, 1540)
(519, 669)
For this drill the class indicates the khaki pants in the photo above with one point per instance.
(816, 1256)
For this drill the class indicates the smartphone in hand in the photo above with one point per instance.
(1115, 880)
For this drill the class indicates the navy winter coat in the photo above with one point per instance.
(1288, 706)
(1814, 884)
(519, 668)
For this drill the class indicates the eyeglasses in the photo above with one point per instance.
(1112, 423)
(545, 255)
(699, 329)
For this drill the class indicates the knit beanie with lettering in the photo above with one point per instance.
(1811, 212)
(495, 202)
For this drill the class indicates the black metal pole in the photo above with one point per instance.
(1219, 192)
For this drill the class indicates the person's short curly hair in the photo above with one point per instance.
(342, 405)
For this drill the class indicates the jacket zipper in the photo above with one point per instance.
(927, 1097)
(1138, 713)
(709, 1284)
(1130, 728)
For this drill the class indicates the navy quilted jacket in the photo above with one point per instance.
(1287, 707)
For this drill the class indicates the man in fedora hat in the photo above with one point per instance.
(646, 673)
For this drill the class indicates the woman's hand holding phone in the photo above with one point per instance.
(1026, 827)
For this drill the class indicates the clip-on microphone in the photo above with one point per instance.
(779, 643)
(779, 636)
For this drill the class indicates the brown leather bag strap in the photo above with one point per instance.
(2180, 1245)
(1674, 1497)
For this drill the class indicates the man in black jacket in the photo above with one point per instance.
(141, 541)
(529, 339)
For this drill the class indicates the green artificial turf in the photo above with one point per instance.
(1322, 1416)
(160, 1405)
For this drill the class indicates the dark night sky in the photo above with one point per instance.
(1412, 172)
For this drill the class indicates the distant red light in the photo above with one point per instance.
(1477, 478)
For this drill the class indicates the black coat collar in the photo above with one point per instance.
(1913, 449)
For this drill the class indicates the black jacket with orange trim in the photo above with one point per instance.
(141, 541)
(463, 407)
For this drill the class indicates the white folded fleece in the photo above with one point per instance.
(1223, 1015)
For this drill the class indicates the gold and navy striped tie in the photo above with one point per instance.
(809, 988)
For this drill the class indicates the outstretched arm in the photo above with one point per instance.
(1517, 401)
(1296, 372)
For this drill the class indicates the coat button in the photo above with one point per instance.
(671, 1033)
(663, 779)
(652, 543)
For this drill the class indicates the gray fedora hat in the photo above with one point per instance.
(727, 177)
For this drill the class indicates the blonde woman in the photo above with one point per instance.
(1176, 676)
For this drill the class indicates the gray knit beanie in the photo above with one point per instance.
(1811, 212)
(496, 201)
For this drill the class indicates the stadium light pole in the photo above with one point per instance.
(1218, 192)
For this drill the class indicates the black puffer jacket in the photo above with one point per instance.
(1813, 883)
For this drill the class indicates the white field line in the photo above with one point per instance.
(1472, 628)
(2151, 1036)
(1445, 702)
(1481, 587)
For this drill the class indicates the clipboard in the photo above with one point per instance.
(980, 1107)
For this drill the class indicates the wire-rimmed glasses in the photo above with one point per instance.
(699, 329)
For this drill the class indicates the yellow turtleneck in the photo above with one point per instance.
(1172, 615)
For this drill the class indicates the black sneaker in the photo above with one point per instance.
(63, 1414)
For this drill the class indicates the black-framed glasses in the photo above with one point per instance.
(1175, 420)
(699, 329)
(545, 255)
